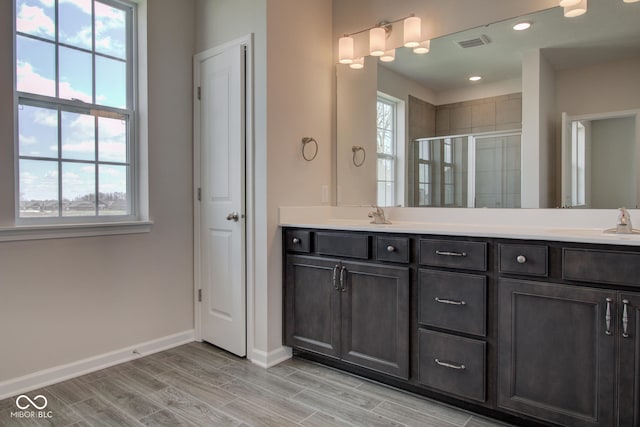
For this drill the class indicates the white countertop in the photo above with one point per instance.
(586, 226)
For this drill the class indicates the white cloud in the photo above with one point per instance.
(27, 140)
(27, 178)
(46, 118)
(115, 172)
(81, 38)
(30, 81)
(47, 3)
(33, 20)
(79, 147)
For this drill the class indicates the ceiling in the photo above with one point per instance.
(610, 30)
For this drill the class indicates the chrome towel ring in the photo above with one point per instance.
(306, 140)
(355, 150)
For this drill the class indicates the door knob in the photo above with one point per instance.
(233, 216)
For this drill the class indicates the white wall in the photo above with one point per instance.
(293, 85)
(601, 88)
(64, 300)
(538, 129)
(613, 144)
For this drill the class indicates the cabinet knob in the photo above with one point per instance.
(295, 240)
(521, 259)
(391, 248)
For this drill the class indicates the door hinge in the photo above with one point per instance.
(199, 93)
(199, 194)
(199, 295)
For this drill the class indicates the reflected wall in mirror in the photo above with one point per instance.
(503, 133)
(600, 158)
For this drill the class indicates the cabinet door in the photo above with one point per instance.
(312, 305)
(629, 370)
(557, 352)
(375, 317)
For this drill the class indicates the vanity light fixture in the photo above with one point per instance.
(475, 78)
(357, 64)
(423, 47)
(378, 41)
(412, 31)
(388, 56)
(577, 9)
(567, 3)
(630, 1)
(521, 26)
(345, 50)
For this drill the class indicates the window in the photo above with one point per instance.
(75, 101)
(425, 170)
(578, 164)
(386, 151)
(448, 173)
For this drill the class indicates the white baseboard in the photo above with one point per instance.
(268, 359)
(56, 374)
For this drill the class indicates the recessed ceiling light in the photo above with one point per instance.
(475, 78)
(520, 26)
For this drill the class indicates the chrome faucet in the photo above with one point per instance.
(623, 225)
(378, 216)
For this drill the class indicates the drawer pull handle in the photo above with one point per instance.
(607, 317)
(391, 248)
(447, 253)
(450, 365)
(343, 271)
(335, 277)
(449, 301)
(295, 240)
(625, 319)
(521, 259)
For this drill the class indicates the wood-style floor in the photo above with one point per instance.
(198, 384)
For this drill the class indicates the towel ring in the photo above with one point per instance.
(355, 150)
(306, 140)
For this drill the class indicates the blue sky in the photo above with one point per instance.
(35, 72)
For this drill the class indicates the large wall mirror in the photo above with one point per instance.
(554, 121)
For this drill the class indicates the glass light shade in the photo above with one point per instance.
(567, 3)
(388, 56)
(412, 31)
(377, 41)
(475, 78)
(576, 10)
(423, 47)
(345, 50)
(357, 64)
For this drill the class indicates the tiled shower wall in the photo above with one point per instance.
(480, 115)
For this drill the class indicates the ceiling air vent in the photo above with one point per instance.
(476, 41)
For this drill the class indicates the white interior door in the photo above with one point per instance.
(220, 129)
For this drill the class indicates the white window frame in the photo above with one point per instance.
(385, 99)
(138, 219)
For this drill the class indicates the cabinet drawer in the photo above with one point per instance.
(395, 249)
(452, 364)
(530, 260)
(298, 241)
(452, 301)
(612, 267)
(342, 244)
(454, 254)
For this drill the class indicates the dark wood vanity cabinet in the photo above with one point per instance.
(354, 311)
(546, 332)
(568, 350)
(556, 355)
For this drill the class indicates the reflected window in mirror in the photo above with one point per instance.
(389, 149)
(578, 164)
